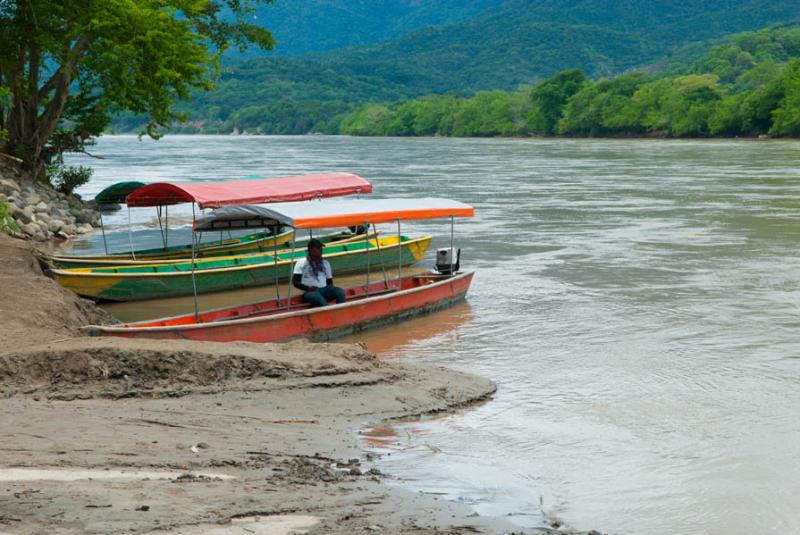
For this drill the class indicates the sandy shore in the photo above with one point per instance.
(113, 435)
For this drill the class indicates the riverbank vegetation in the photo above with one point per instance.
(67, 67)
(512, 46)
(747, 86)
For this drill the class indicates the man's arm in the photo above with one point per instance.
(297, 279)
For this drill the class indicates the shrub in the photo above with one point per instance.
(66, 179)
(6, 221)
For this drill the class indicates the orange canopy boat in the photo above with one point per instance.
(371, 304)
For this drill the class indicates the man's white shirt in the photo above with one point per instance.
(302, 267)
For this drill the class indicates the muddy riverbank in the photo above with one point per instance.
(112, 435)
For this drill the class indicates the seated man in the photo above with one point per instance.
(314, 277)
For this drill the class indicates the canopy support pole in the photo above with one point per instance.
(194, 282)
(277, 279)
(166, 226)
(103, 230)
(160, 228)
(130, 234)
(366, 243)
(291, 271)
(380, 255)
(399, 257)
(452, 233)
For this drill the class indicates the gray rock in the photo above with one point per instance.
(8, 186)
(83, 217)
(55, 225)
(25, 215)
(69, 229)
(33, 198)
(40, 236)
(85, 228)
(41, 206)
(30, 229)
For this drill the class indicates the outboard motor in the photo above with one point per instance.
(446, 264)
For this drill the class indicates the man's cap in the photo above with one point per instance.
(314, 243)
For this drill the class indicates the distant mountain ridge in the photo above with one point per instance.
(302, 26)
(505, 45)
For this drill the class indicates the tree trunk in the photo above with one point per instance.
(28, 130)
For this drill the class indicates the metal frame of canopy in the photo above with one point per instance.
(116, 194)
(226, 193)
(237, 192)
(341, 212)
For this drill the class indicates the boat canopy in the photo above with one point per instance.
(262, 190)
(116, 193)
(327, 214)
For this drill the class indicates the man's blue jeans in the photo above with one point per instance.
(321, 297)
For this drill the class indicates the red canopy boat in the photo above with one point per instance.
(255, 191)
(280, 319)
(272, 321)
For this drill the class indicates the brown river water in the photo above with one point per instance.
(636, 301)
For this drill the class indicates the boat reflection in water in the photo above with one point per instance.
(440, 329)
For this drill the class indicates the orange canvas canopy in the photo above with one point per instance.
(262, 190)
(334, 213)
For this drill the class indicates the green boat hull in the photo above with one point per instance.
(136, 284)
(250, 244)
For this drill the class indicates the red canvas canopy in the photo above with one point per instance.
(263, 190)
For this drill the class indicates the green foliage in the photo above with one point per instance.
(752, 55)
(550, 97)
(302, 26)
(786, 116)
(368, 121)
(67, 178)
(7, 222)
(761, 99)
(461, 47)
(71, 64)
(5, 99)
(593, 111)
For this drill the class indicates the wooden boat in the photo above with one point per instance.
(245, 245)
(271, 321)
(214, 194)
(368, 305)
(152, 281)
(248, 244)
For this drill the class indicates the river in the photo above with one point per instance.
(636, 301)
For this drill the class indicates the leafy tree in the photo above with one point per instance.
(489, 113)
(71, 64)
(368, 121)
(592, 111)
(676, 107)
(550, 97)
(786, 116)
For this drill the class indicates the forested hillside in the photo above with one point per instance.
(301, 26)
(512, 44)
(748, 85)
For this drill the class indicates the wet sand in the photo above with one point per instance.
(113, 435)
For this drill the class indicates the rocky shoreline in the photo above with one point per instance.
(39, 212)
